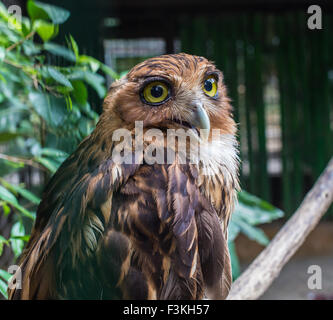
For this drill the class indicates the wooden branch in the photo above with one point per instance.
(22, 160)
(256, 279)
(14, 45)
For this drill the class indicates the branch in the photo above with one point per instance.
(14, 45)
(256, 279)
(22, 160)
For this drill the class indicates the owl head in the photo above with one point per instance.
(171, 91)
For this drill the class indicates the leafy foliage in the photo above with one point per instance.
(250, 211)
(45, 112)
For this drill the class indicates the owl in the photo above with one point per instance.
(142, 229)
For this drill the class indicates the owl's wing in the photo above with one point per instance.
(75, 208)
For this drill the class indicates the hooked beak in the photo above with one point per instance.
(200, 120)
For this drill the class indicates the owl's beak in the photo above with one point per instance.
(200, 120)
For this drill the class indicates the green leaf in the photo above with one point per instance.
(69, 102)
(24, 211)
(233, 231)
(4, 14)
(74, 46)
(35, 12)
(123, 73)
(93, 63)
(235, 265)
(50, 152)
(26, 26)
(255, 215)
(39, 10)
(47, 163)
(7, 196)
(45, 29)
(7, 136)
(6, 209)
(24, 238)
(23, 192)
(251, 232)
(106, 69)
(50, 108)
(3, 241)
(3, 288)
(5, 275)
(17, 244)
(94, 80)
(2, 53)
(255, 210)
(59, 77)
(59, 50)
(253, 201)
(80, 92)
(30, 48)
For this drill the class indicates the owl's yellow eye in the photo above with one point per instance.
(210, 86)
(155, 92)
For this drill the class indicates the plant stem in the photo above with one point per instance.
(28, 162)
(14, 45)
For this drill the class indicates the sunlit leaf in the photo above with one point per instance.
(3, 241)
(75, 47)
(94, 80)
(45, 29)
(235, 265)
(255, 210)
(80, 92)
(5, 275)
(251, 232)
(50, 108)
(7, 195)
(59, 50)
(6, 209)
(3, 288)
(110, 72)
(93, 63)
(24, 211)
(39, 10)
(50, 152)
(59, 77)
(23, 192)
(24, 238)
(2, 53)
(233, 231)
(17, 244)
(49, 164)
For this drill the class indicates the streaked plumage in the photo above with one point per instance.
(139, 231)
